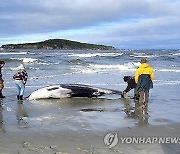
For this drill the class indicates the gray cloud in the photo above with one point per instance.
(146, 33)
(142, 21)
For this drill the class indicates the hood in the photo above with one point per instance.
(144, 65)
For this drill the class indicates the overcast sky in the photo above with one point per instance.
(136, 24)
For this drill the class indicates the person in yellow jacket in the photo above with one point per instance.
(143, 77)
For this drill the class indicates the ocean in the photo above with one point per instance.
(103, 69)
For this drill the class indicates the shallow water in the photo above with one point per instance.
(97, 68)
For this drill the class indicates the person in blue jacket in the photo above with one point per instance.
(20, 79)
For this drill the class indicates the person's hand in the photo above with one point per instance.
(1, 65)
(124, 92)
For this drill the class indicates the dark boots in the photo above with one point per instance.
(19, 97)
(1, 95)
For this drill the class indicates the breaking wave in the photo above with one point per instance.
(25, 60)
(13, 53)
(89, 55)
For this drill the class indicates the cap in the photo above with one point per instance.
(126, 78)
(143, 60)
(2, 62)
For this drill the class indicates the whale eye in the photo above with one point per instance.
(53, 88)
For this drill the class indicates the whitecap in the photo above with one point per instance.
(103, 68)
(29, 60)
(20, 67)
(25, 60)
(168, 70)
(88, 71)
(125, 67)
(163, 82)
(176, 54)
(13, 53)
(89, 55)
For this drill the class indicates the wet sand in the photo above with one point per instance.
(86, 142)
(79, 125)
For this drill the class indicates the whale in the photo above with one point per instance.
(70, 90)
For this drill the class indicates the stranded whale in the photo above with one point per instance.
(70, 90)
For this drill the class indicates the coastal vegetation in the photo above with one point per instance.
(58, 44)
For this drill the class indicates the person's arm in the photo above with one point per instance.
(24, 76)
(129, 87)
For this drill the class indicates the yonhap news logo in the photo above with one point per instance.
(150, 140)
(112, 139)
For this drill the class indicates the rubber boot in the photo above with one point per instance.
(21, 97)
(18, 98)
(1, 95)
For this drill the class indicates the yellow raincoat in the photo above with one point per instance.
(144, 68)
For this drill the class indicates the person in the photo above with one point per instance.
(131, 84)
(143, 77)
(20, 79)
(2, 63)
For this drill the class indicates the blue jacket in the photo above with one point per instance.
(144, 82)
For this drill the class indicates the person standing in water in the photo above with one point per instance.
(2, 63)
(143, 77)
(20, 79)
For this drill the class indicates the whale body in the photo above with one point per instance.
(70, 90)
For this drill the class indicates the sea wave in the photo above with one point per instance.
(168, 70)
(20, 67)
(164, 82)
(89, 55)
(125, 67)
(30, 61)
(143, 55)
(103, 68)
(13, 53)
(25, 60)
(175, 54)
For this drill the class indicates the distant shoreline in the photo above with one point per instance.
(58, 44)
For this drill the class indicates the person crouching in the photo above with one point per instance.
(20, 79)
(131, 84)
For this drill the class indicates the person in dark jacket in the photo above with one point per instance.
(131, 84)
(143, 77)
(20, 79)
(2, 63)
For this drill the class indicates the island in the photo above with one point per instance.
(58, 44)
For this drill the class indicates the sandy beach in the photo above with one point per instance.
(89, 125)
(79, 125)
(26, 141)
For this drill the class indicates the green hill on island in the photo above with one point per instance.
(58, 44)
